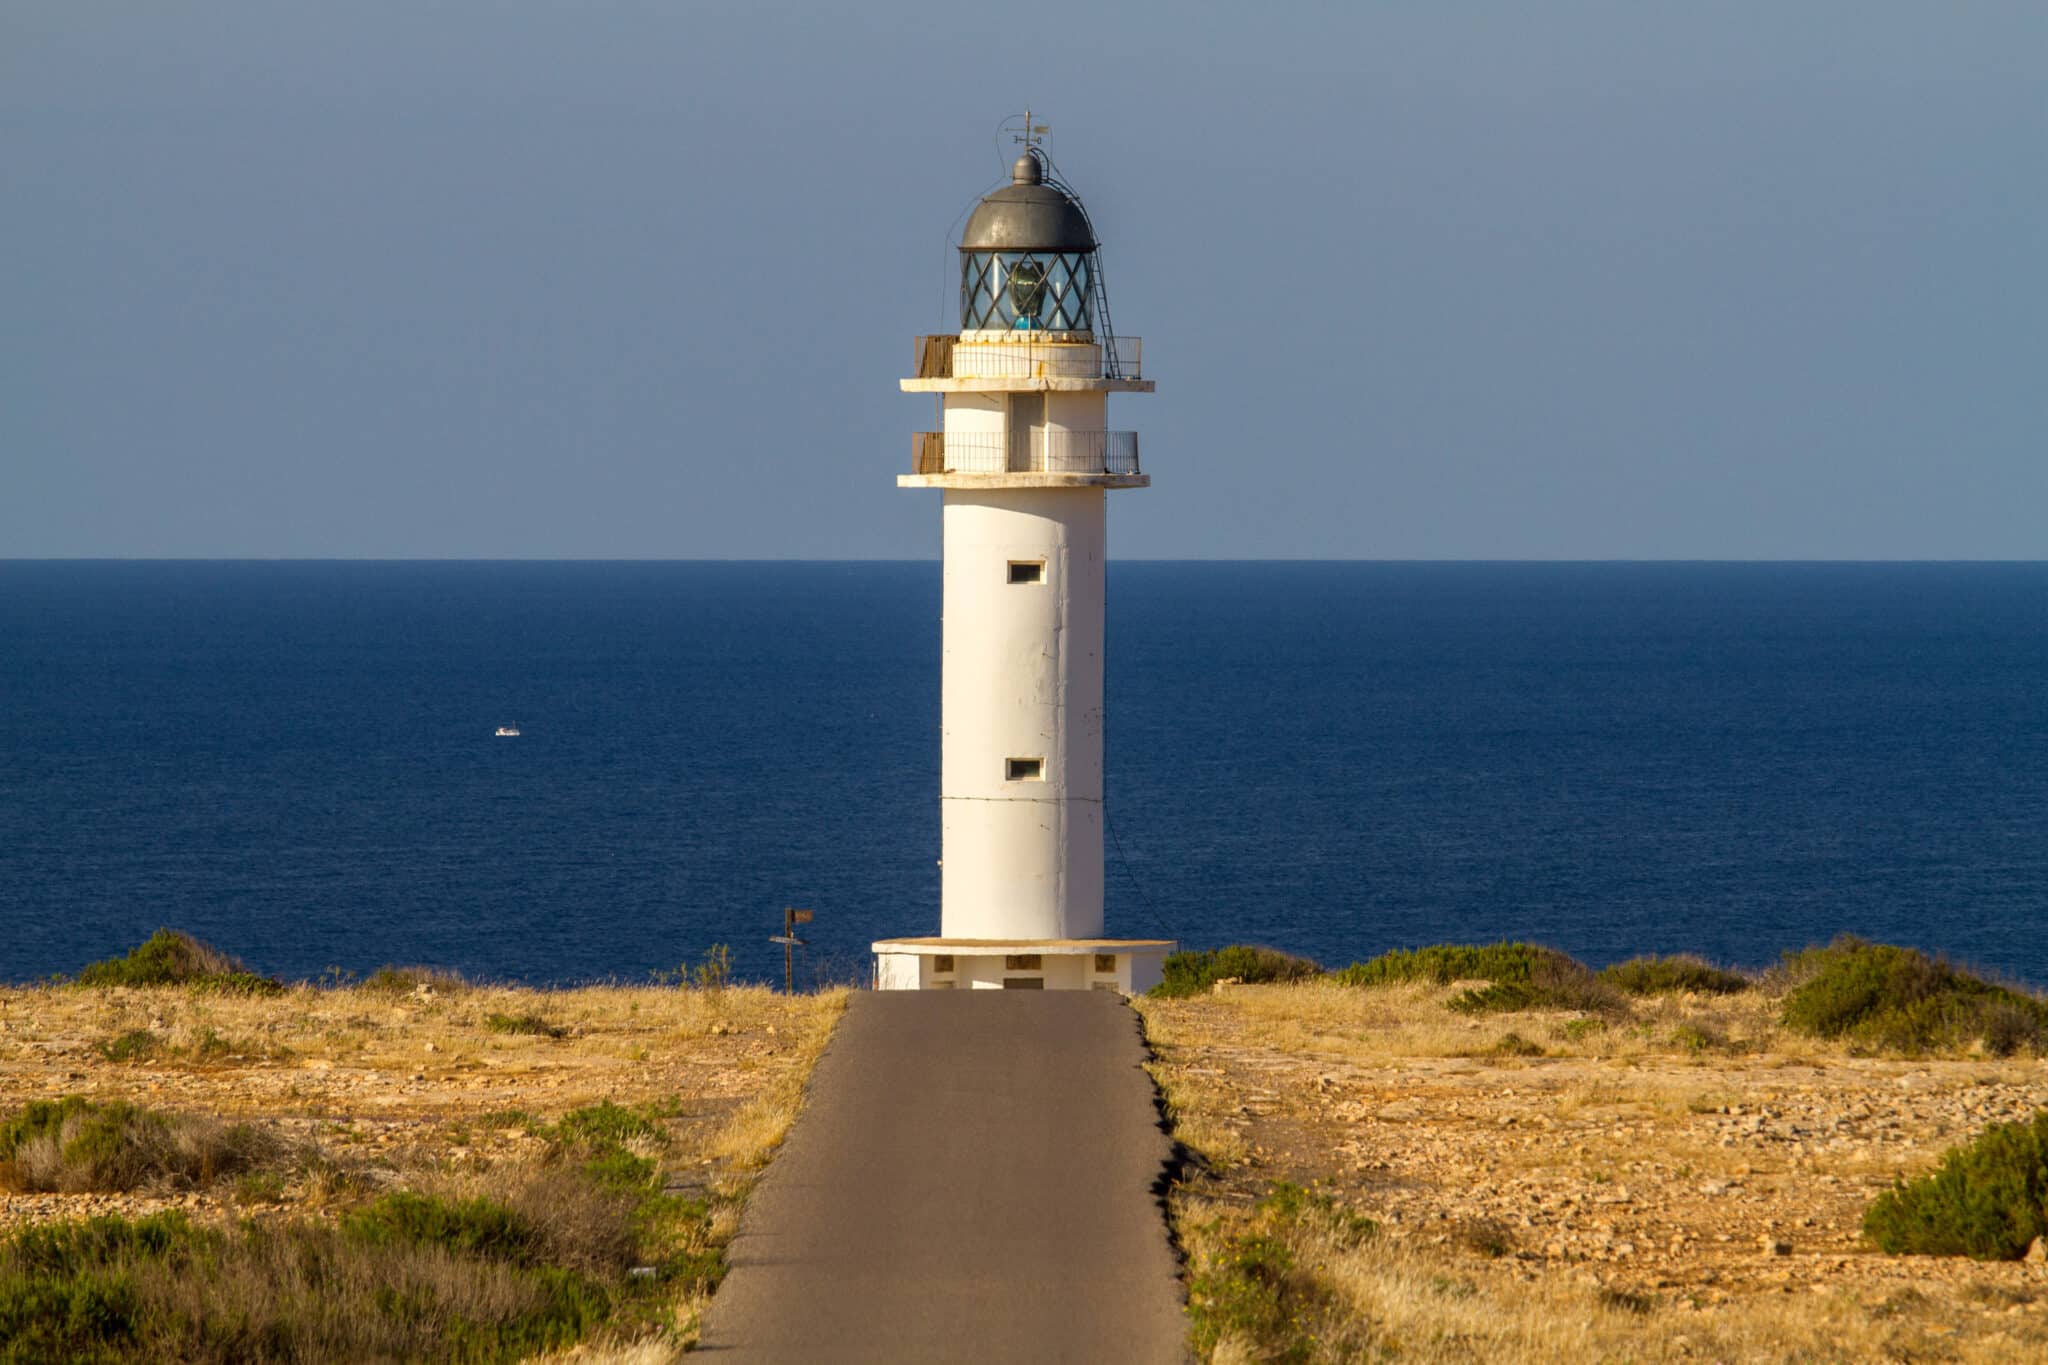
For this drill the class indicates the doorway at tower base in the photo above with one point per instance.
(1128, 966)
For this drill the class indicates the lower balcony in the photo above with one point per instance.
(1040, 450)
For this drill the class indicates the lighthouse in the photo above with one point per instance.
(1024, 460)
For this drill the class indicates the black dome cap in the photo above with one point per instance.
(1028, 215)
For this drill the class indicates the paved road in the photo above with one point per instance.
(972, 1180)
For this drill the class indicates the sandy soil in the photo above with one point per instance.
(390, 1080)
(1695, 1160)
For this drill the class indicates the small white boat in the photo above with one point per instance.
(507, 730)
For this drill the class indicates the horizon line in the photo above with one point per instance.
(937, 560)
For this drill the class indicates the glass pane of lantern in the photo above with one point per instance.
(1057, 286)
(1027, 291)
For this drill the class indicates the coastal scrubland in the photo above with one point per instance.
(1491, 1152)
(200, 1163)
(1455, 1152)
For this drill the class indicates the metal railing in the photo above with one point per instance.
(935, 357)
(948, 357)
(1041, 450)
(1127, 357)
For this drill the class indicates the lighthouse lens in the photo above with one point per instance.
(1035, 291)
(1027, 291)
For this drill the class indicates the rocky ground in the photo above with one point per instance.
(409, 1076)
(1693, 1165)
(1684, 1183)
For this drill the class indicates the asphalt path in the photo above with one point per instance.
(974, 1178)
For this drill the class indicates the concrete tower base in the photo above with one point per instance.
(1129, 966)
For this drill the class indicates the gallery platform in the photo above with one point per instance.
(1129, 966)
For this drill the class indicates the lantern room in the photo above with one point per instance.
(1027, 261)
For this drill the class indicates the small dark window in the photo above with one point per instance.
(1027, 571)
(1105, 962)
(1023, 983)
(942, 962)
(1025, 770)
(1023, 962)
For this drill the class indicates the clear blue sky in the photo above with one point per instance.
(521, 279)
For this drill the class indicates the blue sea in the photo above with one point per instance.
(296, 760)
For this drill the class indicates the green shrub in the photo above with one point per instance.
(617, 1169)
(1519, 976)
(1670, 975)
(531, 1024)
(1701, 1038)
(541, 1261)
(1254, 1285)
(1988, 1200)
(714, 973)
(610, 1125)
(136, 1045)
(1250, 1290)
(1578, 1030)
(63, 1248)
(68, 1291)
(406, 980)
(1515, 1045)
(75, 1145)
(513, 1118)
(140, 1045)
(1293, 1204)
(1899, 999)
(158, 1289)
(596, 1138)
(469, 1227)
(260, 1187)
(171, 958)
(1550, 989)
(1444, 963)
(1193, 973)
(212, 1047)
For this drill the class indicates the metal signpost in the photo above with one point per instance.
(791, 918)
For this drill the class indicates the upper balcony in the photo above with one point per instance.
(1000, 362)
(1036, 457)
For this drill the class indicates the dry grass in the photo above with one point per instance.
(414, 1082)
(750, 1136)
(1385, 1297)
(74, 1147)
(1410, 1019)
(647, 1351)
(1683, 1182)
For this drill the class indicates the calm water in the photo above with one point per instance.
(296, 761)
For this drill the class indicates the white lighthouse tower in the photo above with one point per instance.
(1025, 460)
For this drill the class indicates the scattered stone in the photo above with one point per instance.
(1773, 1246)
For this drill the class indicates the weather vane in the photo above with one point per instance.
(1033, 132)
